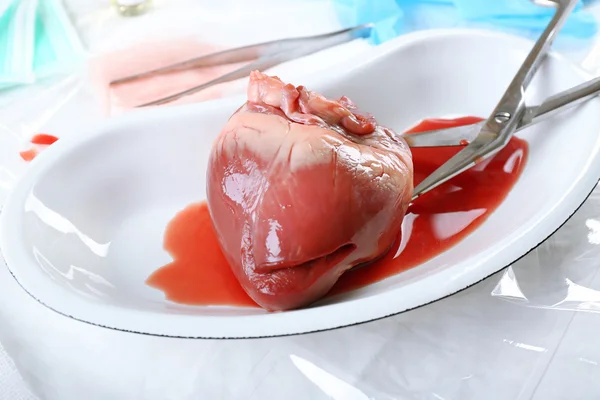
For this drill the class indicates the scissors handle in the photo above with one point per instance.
(561, 102)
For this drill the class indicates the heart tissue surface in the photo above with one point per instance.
(301, 188)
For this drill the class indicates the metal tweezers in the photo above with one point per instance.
(261, 56)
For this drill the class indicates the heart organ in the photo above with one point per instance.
(301, 188)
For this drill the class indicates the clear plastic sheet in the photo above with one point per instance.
(527, 332)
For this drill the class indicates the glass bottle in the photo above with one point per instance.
(131, 8)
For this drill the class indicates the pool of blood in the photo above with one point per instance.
(436, 221)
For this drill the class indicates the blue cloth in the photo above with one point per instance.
(394, 17)
(37, 39)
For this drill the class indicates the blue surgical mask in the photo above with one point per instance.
(37, 40)
(57, 46)
(17, 21)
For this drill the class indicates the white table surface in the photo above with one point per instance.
(528, 332)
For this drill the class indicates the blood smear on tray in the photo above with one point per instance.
(43, 139)
(40, 141)
(436, 221)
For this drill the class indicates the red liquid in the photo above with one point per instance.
(434, 222)
(44, 139)
(199, 273)
(29, 154)
(39, 141)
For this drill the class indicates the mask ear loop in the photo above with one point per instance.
(17, 30)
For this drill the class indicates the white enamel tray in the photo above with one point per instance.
(83, 228)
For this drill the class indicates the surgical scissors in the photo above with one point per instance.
(501, 125)
(553, 105)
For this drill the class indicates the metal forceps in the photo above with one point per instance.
(498, 129)
(263, 56)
